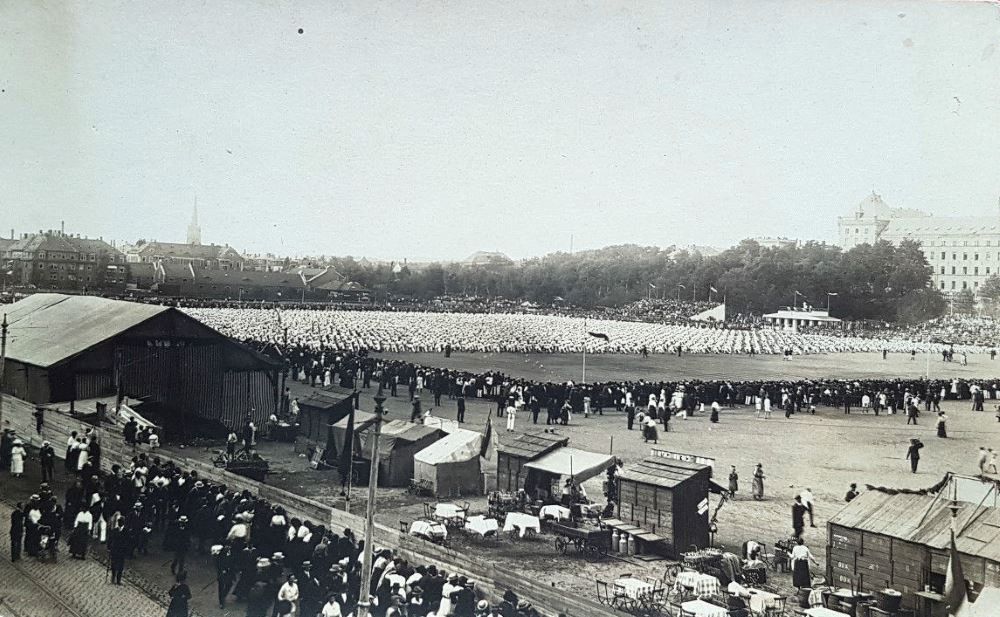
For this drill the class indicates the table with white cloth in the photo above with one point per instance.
(760, 599)
(822, 611)
(700, 584)
(554, 511)
(449, 512)
(431, 530)
(634, 588)
(700, 608)
(522, 522)
(482, 525)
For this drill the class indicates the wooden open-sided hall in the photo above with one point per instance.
(67, 348)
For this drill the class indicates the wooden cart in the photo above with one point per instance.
(593, 542)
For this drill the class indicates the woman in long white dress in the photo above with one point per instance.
(83, 455)
(17, 456)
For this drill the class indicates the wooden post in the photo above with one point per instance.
(364, 602)
(3, 362)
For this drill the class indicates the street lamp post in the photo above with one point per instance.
(364, 603)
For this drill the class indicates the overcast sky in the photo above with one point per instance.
(430, 130)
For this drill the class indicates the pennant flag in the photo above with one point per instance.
(713, 289)
(955, 591)
(832, 293)
(652, 286)
(798, 293)
(681, 286)
(600, 335)
(346, 463)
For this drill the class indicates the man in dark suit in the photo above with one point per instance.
(913, 453)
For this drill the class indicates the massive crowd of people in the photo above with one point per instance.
(480, 332)
(274, 563)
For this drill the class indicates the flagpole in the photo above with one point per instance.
(583, 378)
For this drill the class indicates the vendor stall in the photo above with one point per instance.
(667, 500)
(320, 410)
(450, 465)
(547, 473)
(517, 450)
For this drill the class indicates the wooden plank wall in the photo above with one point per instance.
(876, 562)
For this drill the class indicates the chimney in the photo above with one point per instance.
(62, 228)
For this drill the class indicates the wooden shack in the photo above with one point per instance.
(664, 503)
(884, 539)
(321, 410)
(517, 450)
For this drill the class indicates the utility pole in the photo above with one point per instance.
(364, 603)
(3, 362)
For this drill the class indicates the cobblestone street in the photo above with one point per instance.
(40, 588)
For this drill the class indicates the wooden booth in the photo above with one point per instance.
(883, 539)
(516, 451)
(319, 411)
(663, 502)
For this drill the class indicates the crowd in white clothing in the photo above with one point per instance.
(499, 332)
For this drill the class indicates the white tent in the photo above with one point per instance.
(451, 464)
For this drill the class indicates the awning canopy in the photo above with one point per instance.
(579, 464)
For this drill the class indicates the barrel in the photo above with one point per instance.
(889, 600)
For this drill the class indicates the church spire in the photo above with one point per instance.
(194, 230)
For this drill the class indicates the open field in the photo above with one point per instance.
(825, 452)
(608, 367)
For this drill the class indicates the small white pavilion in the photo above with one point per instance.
(792, 318)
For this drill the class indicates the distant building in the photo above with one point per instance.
(208, 256)
(486, 258)
(963, 251)
(263, 263)
(55, 260)
(768, 242)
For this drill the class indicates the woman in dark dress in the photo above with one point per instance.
(179, 594)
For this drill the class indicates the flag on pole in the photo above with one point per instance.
(681, 286)
(798, 293)
(955, 591)
(652, 286)
(832, 293)
(599, 335)
(713, 289)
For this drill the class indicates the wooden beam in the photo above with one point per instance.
(974, 515)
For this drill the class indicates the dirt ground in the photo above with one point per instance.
(825, 452)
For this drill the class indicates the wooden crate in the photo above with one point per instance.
(843, 538)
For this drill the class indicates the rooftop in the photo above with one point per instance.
(663, 472)
(530, 445)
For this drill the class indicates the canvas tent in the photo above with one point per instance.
(451, 464)
(362, 421)
(398, 444)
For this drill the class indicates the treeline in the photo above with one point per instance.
(878, 281)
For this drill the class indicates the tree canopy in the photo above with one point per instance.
(879, 281)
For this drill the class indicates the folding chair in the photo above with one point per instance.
(603, 593)
(404, 527)
(428, 511)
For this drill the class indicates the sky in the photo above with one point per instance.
(430, 130)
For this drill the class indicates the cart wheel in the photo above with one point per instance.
(561, 544)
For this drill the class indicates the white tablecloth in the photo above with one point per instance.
(822, 611)
(428, 529)
(482, 525)
(760, 599)
(703, 584)
(522, 522)
(704, 609)
(448, 511)
(633, 587)
(553, 511)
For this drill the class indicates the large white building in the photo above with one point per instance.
(962, 250)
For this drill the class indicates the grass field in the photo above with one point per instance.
(606, 367)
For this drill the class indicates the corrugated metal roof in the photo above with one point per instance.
(46, 329)
(659, 471)
(898, 516)
(530, 445)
